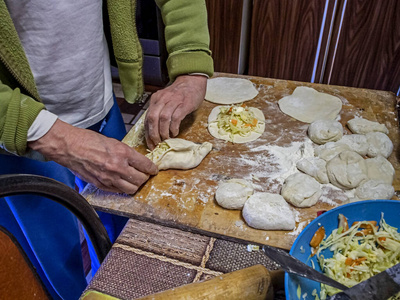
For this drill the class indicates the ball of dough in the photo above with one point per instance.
(347, 170)
(315, 167)
(269, 212)
(301, 190)
(373, 190)
(379, 168)
(357, 143)
(323, 131)
(233, 193)
(379, 144)
(330, 150)
(363, 126)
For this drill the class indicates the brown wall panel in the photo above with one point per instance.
(224, 22)
(284, 38)
(365, 51)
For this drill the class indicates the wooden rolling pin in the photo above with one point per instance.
(254, 283)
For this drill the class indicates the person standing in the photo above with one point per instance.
(59, 119)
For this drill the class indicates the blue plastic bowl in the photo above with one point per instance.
(358, 211)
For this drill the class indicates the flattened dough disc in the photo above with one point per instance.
(308, 105)
(225, 90)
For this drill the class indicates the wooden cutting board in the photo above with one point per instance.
(185, 199)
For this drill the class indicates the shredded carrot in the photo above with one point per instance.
(234, 122)
(354, 262)
(318, 237)
(349, 261)
(366, 224)
(364, 232)
(360, 260)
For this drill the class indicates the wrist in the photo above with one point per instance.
(53, 141)
(193, 80)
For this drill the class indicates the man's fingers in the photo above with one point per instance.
(127, 187)
(165, 120)
(93, 180)
(176, 119)
(151, 122)
(142, 164)
(149, 142)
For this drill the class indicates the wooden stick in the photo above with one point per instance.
(253, 283)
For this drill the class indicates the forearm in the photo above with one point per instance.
(107, 163)
(187, 37)
(17, 113)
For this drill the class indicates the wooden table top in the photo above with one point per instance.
(185, 198)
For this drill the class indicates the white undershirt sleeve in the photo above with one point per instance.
(199, 74)
(42, 124)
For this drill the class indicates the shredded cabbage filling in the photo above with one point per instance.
(158, 151)
(359, 252)
(237, 120)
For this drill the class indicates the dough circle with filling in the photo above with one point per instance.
(220, 133)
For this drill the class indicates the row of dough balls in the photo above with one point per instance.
(260, 210)
(337, 161)
(340, 161)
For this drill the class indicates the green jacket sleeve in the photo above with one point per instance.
(17, 113)
(186, 36)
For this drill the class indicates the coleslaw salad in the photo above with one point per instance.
(359, 252)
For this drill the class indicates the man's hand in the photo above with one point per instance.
(107, 163)
(169, 106)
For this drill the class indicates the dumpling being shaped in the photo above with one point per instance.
(179, 154)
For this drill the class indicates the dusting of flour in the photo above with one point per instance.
(287, 157)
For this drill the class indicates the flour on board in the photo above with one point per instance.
(285, 158)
